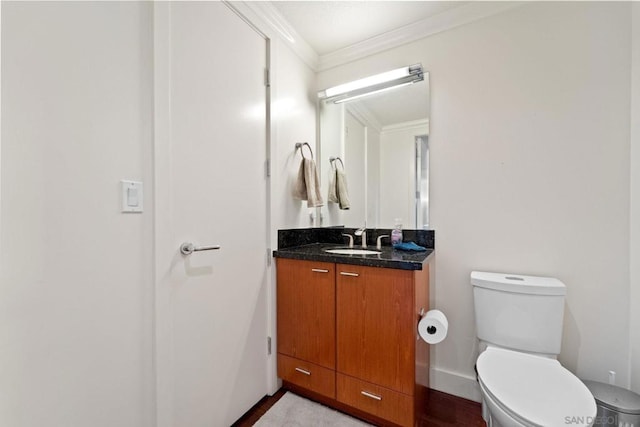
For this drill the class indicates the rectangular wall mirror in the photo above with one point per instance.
(383, 141)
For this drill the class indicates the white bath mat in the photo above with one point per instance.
(295, 411)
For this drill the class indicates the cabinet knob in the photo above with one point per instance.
(345, 273)
(319, 270)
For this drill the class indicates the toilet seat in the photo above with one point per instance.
(535, 390)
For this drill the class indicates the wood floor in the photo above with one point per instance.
(444, 410)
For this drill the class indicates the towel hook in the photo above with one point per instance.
(300, 145)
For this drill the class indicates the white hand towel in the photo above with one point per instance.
(332, 196)
(341, 190)
(338, 192)
(307, 185)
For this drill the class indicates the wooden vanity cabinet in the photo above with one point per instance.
(380, 367)
(306, 324)
(375, 325)
(376, 332)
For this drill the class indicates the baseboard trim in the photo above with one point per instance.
(454, 383)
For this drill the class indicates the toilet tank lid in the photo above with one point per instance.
(518, 283)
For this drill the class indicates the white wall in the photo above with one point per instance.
(293, 119)
(373, 177)
(347, 133)
(332, 135)
(294, 115)
(293, 112)
(529, 170)
(398, 148)
(355, 154)
(634, 321)
(75, 274)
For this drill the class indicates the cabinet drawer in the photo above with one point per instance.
(307, 375)
(379, 401)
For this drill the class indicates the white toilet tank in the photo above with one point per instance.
(523, 313)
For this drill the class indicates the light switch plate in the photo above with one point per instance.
(132, 196)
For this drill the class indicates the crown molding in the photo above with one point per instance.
(275, 25)
(435, 24)
(412, 124)
(365, 116)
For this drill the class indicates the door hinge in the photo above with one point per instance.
(269, 256)
(268, 345)
(267, 168)
(267, 77)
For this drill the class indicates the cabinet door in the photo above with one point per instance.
(306, 311)
(375, 326)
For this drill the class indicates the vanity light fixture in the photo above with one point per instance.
(373, 84)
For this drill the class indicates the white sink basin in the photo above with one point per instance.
(352, 251)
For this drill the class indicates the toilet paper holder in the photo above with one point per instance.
(430, 329)
(432, 326)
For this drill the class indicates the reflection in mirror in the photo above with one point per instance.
(383, 141)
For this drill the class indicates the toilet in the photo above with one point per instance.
(519, 325)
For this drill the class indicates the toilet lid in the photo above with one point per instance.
(536, 389)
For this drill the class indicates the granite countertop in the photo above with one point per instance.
(309, 244)
(388, 258)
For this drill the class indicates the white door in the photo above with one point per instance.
(211, 309)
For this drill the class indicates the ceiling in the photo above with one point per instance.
(328, 26)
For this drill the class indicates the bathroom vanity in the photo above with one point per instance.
(347, 328)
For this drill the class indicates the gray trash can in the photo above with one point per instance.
(617, 406)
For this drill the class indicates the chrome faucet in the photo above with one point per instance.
(363, 233)
(350, 239)
(379, 241)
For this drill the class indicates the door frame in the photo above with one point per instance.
(162, 212)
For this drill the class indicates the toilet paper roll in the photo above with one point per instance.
(433, 326)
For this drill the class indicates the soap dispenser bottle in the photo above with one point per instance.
(396, 233)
